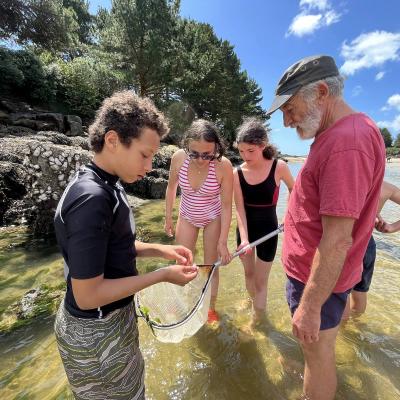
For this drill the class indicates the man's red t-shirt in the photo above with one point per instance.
(342, 177)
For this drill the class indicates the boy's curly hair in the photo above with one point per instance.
(127, 114)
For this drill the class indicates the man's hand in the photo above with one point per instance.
(180, 274)
(180, 254)
(306, 324)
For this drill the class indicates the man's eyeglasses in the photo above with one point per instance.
(194, 155)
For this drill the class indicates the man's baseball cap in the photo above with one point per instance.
(303, 72)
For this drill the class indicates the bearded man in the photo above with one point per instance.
(331, 211)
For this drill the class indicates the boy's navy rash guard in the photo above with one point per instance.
(95, 230)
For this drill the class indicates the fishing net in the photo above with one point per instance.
(174, 312)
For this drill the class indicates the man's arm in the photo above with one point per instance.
(335, 242)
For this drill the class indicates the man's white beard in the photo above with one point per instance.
(311, 123)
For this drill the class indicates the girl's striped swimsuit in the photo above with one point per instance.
(204, 205)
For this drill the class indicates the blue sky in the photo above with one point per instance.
(362, 35)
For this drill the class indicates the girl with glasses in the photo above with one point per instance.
(256, 191)
(205, 179)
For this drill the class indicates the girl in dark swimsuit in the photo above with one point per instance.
(256, 192)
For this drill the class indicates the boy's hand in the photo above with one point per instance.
(180, 274)
(180, 254)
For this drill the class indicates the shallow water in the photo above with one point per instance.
(219, 362)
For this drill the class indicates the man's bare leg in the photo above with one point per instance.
(320, 366)
(358, 302)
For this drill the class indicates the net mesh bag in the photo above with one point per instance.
(174, 312)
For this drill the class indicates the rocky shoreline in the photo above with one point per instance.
(40, 152)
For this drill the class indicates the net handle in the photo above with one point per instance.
(153, 325)
(254, 244)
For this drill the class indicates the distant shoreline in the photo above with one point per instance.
(296, 159)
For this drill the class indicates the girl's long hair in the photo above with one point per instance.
(201, 129)
(253, 131)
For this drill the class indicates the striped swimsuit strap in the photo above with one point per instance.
(210, 186)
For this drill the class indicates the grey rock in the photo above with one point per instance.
(5, 118)
(18, 131)
(54, 120)
(27, 123)
(80, 141)
(34, 179)
(8, 106)
(12, 185)
(73, 125)
(163, 157)
(75, 129)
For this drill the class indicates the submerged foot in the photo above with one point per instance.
(213, 317)
(245, 304)
(292, 367)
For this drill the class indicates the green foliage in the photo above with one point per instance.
(140, 36)
(397, 141)
(85, 82)
(75, 60)
(84, 19)
(180, 116)
(11, 17)
(23, 75)
(393, 151)
(11, 75)
(387, 137)
(44, 23)
(210, 80)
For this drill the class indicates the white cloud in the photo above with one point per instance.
(394, 101)
(318, 4)
(308, 20)
(380, 75)
(304, 24)
(393, 125)
(357, 90)
(331, 17)
(371, 49)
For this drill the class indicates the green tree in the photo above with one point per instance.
(387, 137)
(84, 19)
(44, 23)
(397, 141)
(140, 35)
(85, 82)
(12, 15)
(209, 78)
(24, 75)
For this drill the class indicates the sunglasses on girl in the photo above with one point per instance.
(194, 155)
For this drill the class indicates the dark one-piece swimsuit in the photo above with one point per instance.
(260, 206)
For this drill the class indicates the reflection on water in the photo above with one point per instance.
(222, 362)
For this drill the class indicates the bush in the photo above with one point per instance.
(85, 82)
(23, 75)
(392, 152)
